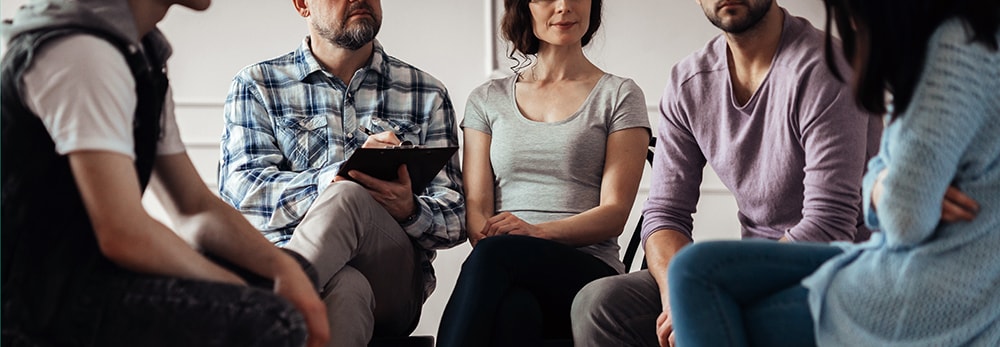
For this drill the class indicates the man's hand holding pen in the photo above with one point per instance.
(381, 140)
(396, 196)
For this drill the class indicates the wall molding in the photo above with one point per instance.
(195, 103)
(491, 37)
(201, 144)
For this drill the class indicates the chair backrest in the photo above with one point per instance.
(403, 341)
(633, 244)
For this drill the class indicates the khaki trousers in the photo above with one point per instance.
(368, 268)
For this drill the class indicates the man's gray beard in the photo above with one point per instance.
(352, 38)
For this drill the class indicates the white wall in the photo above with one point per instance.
(451, 39)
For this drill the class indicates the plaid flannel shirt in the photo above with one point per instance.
(289, 125)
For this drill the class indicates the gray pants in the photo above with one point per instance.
(367, 266)
(617, 311)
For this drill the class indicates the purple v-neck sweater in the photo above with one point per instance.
(793, 156)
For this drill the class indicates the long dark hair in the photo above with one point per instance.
(886, 42)
(516, 27)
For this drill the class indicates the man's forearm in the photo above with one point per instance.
(224, 233)
(157, 250)
(660, 248)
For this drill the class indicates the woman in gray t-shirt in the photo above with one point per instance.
(552, 161)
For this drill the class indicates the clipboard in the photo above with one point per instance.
(422, 163)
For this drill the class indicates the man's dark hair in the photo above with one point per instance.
(886, 42)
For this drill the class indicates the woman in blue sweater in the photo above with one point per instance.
(931, 277)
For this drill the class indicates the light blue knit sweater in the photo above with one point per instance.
(919, 282)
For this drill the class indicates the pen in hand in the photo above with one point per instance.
(369, 132)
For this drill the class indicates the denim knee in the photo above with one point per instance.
(690, 262)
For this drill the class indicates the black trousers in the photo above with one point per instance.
(131, 309)
(516, 290)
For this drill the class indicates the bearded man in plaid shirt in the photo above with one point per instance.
(290, 122)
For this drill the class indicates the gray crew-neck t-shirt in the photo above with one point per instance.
(550, 171)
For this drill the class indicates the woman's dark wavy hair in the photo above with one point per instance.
(516, 27)
(886, 42)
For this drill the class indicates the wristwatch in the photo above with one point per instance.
(416, 213)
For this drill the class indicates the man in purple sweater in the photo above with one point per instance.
(760, 106)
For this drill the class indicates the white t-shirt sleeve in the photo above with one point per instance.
(83, 90)
(171, 142)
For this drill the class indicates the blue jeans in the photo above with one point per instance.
(744, 293)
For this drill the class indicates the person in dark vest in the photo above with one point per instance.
(87, 127)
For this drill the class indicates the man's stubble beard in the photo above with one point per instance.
(754, 15)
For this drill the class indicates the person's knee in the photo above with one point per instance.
(591, 305)
(346, 192)
(686, 263)
(489, 253)
(500, 243)
(616, 310)
(345, 204)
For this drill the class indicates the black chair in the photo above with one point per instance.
(403, 341)
(633, 243)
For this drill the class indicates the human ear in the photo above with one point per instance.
(301, 7)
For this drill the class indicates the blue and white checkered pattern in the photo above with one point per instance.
(289, 125)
